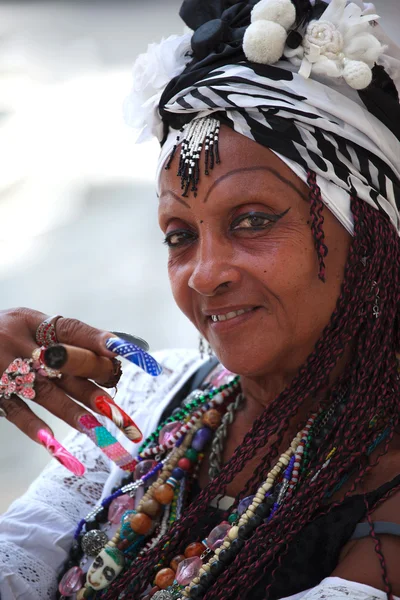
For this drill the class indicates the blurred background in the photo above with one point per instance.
(78, 211)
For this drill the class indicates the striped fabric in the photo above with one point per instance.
(308, 124)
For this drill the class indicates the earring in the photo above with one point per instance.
(201, 346)
(210, 351)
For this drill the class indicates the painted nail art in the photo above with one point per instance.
(106, 442)
(60, 453)
(108, 408)
(132, 339)
(136, 355)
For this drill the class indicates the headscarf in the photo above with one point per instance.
(304, 107)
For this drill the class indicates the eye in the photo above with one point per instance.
(98, 563)
(255, 220)
(109, 573)
(178, 237)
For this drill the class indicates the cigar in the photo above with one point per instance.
(82, 363)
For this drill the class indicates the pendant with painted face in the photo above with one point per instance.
(105, 568)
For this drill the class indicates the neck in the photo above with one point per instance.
(260, 391)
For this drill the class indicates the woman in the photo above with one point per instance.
(283, 481)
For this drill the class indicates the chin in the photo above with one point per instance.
(247, 363)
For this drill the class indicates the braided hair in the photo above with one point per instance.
(372, 383)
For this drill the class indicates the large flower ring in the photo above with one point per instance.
(18, 379)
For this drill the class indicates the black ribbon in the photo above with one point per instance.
(219, 27)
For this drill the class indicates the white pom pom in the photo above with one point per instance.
(357, 74)
(282, 12)
(264, 42)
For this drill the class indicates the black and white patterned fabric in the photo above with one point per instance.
(350, 139)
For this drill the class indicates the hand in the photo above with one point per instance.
(89, 360)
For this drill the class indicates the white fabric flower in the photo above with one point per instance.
(324, 35)
(340, 44)
(152, 72)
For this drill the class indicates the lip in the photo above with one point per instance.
(220, 326)
(92, 583)
(227, 309)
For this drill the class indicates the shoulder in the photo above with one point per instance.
(365, 560)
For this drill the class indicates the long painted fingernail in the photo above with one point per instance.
(132, 339)
(136, 355)
(55, 357)
(60, 453)
(106, 442)
(109, 409)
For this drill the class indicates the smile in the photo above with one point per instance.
(230, 315)
(92, 583)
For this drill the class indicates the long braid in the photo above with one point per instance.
(372, 380)
(317, 222)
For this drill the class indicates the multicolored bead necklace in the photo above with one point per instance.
(142, 510)
(145, 507)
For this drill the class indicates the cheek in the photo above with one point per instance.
(178, 277)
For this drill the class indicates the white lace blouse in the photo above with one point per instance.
(37, 531)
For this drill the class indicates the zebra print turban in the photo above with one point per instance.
(323, 96)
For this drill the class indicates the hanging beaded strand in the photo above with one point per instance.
(199, 133)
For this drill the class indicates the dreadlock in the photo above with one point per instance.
(372, 383)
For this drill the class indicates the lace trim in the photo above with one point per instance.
(46, 516)
(37, 576)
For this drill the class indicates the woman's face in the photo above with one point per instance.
(245, 244)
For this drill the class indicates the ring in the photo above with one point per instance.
(46, 332)
(19, 379)
(40, 367)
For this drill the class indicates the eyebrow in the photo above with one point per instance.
(254, 169)
(178, 198)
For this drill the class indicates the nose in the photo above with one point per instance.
(214, 268)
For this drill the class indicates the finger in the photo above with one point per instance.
(82, 363)
(82, 390)
(55, 400)
(76, 333)
(5, 361)
(95, 398)
(18, 413)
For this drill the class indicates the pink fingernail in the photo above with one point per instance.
(60, 453)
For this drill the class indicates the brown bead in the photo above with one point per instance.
(212, 418)
(140, 523)
(164, 494)
(153, 591)
(165, 578)
(123, 545)
(194, 549)
(150, 507)
(176, 560)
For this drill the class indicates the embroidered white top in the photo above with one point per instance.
(37, 530)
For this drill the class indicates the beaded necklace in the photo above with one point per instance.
(145, 508)
(169, 461)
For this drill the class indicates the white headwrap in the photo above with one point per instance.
(312, 119)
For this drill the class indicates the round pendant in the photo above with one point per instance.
(93, 542)
(162, 595)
